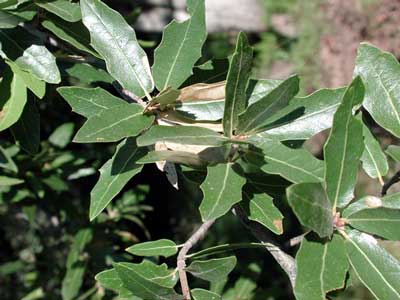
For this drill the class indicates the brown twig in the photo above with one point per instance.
(387, 185)
(287, 262)
(181, 261)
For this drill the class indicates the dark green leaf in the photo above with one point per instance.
(191, 135)
(236, 83)
(377, 269)
(222, 188)
(26, 131)
(162, 247)
(89, 102)
(180, 48)
(344, 148)
(65, 9)
(116, 42)
(88, 74)
(114, 124)
(259, 114)
(114, 174)
(213, 269)
(312, 207)
(321, 268)
(379, 70)
(6, 161)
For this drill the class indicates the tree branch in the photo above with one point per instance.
(387, 185)
(181, 262)
(287, 262)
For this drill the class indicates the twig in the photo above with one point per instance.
(181, 262)
(387, 185)
(287, 262)
(297, 239)
(128, 95)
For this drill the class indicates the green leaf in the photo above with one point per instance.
(9, 181)
(37, 86)
(180, 48)
(312, 207)
(26, 51)
(166, 97)
(236, 83)
(311, 115)
(114, 124)
(26, 130)
(6, 161)
(136, 279)
(377, 269)
(373, 159)
(222, 188)
(321, 268)
(263, 211)
(394, 152)
(259, 114)
(179, 157)
(116, 42)
(200, 294)
(162, 247)
(182, 135)
(295, 165)
(379, 70)
(344, 148)
(73, 279)
(89, 102)
(65, 9)
(114, 175)
(12, 99)
(88, 74)
(380, 216)
(75, 34)
(109, 279)
(213, 269)
(11, 19)
(62, 135)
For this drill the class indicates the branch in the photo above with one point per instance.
(387, 185)
(127, 95)
(287, 262)
(181, 262)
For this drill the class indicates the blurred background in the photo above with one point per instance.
(42, 222)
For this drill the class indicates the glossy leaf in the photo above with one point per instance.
(88, 101)
(6, 161)
(222, 188)
(12, 99)
(321, 268)
(182, 135)
(258, 114)
(114, 124)
(379, 70)
(213, 269)
(295, 165)
(312, 207)
(116, 42)
(26, 130)
(37, 86)
(75, 267)
(27, 52)
(263, 211)
(377, 269)
(114, 175)
(75, 34)
(344, 148)
(65, 9)
(394, 152)
(139, 281)
(162, 247)
(304, 116)
(180, 48)
(373, 159)
(200, 294)
(236, 83)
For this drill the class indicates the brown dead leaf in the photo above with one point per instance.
(203, 91)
